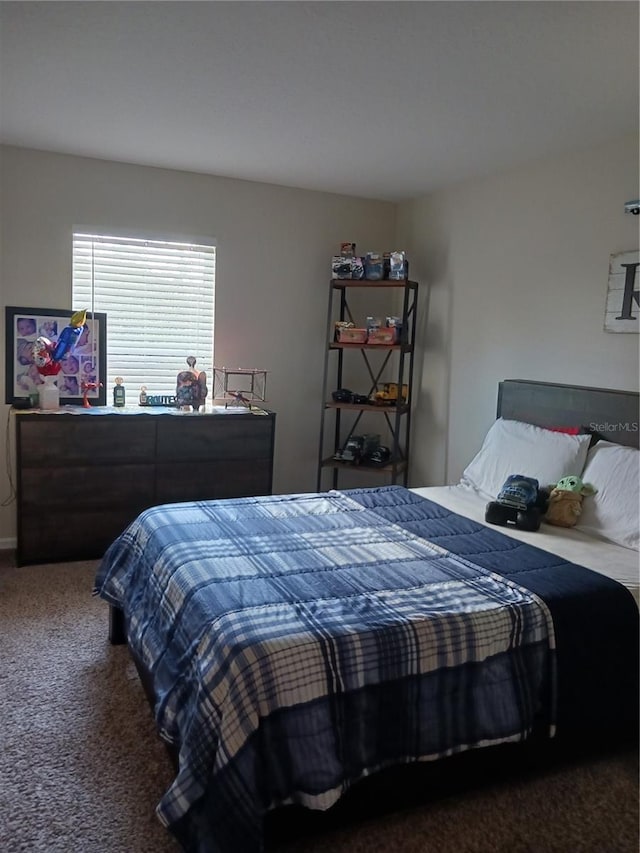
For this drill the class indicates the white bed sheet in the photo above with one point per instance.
(620, 564)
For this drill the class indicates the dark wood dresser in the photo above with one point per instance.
(82, 477)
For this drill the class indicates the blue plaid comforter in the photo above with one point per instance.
(298, 643)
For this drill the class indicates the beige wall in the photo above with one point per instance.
(518, 267)
(274, 248)
(513, 271)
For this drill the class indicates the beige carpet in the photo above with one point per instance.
(81, 768)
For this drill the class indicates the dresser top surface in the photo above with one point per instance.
(139, 411)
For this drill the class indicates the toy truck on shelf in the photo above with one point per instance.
(358, 448)
(388, 395)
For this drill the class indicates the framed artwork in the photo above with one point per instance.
(622, 310)
(86, 363)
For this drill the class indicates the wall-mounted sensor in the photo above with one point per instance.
(632, 206)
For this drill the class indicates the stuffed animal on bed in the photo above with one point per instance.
(565, 501)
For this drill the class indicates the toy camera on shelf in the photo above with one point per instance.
(520, 503)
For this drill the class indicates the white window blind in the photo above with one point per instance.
(159, 300)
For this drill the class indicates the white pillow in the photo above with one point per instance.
(613, 512)
(513, 447)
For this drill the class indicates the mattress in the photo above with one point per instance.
(612, 561)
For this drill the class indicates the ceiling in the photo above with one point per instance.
(386, 100)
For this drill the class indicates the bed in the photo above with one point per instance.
(293, 645)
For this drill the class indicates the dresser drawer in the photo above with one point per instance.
(222, 437)
(64, 535)
(80, 487)
(202, 481)
(74, 439)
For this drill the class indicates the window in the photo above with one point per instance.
(158, 296)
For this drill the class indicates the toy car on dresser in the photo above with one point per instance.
(521, 503)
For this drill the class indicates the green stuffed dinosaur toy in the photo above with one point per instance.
(565, 501)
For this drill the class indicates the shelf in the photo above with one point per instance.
(399, 466)
(367, 407)
(381, 347)
(370, 282)
(340, 421)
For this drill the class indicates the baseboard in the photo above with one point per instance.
(7, 553)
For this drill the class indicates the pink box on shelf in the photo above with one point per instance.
(383, 335)
(352, 336)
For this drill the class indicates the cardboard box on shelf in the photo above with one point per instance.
(352, 336)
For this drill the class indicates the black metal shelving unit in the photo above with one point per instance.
(396, 359)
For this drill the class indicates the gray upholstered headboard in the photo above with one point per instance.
(613, 415)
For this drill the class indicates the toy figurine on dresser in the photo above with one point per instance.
(48, 357)
(86, 387)
(118, 393)
(191, 387)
